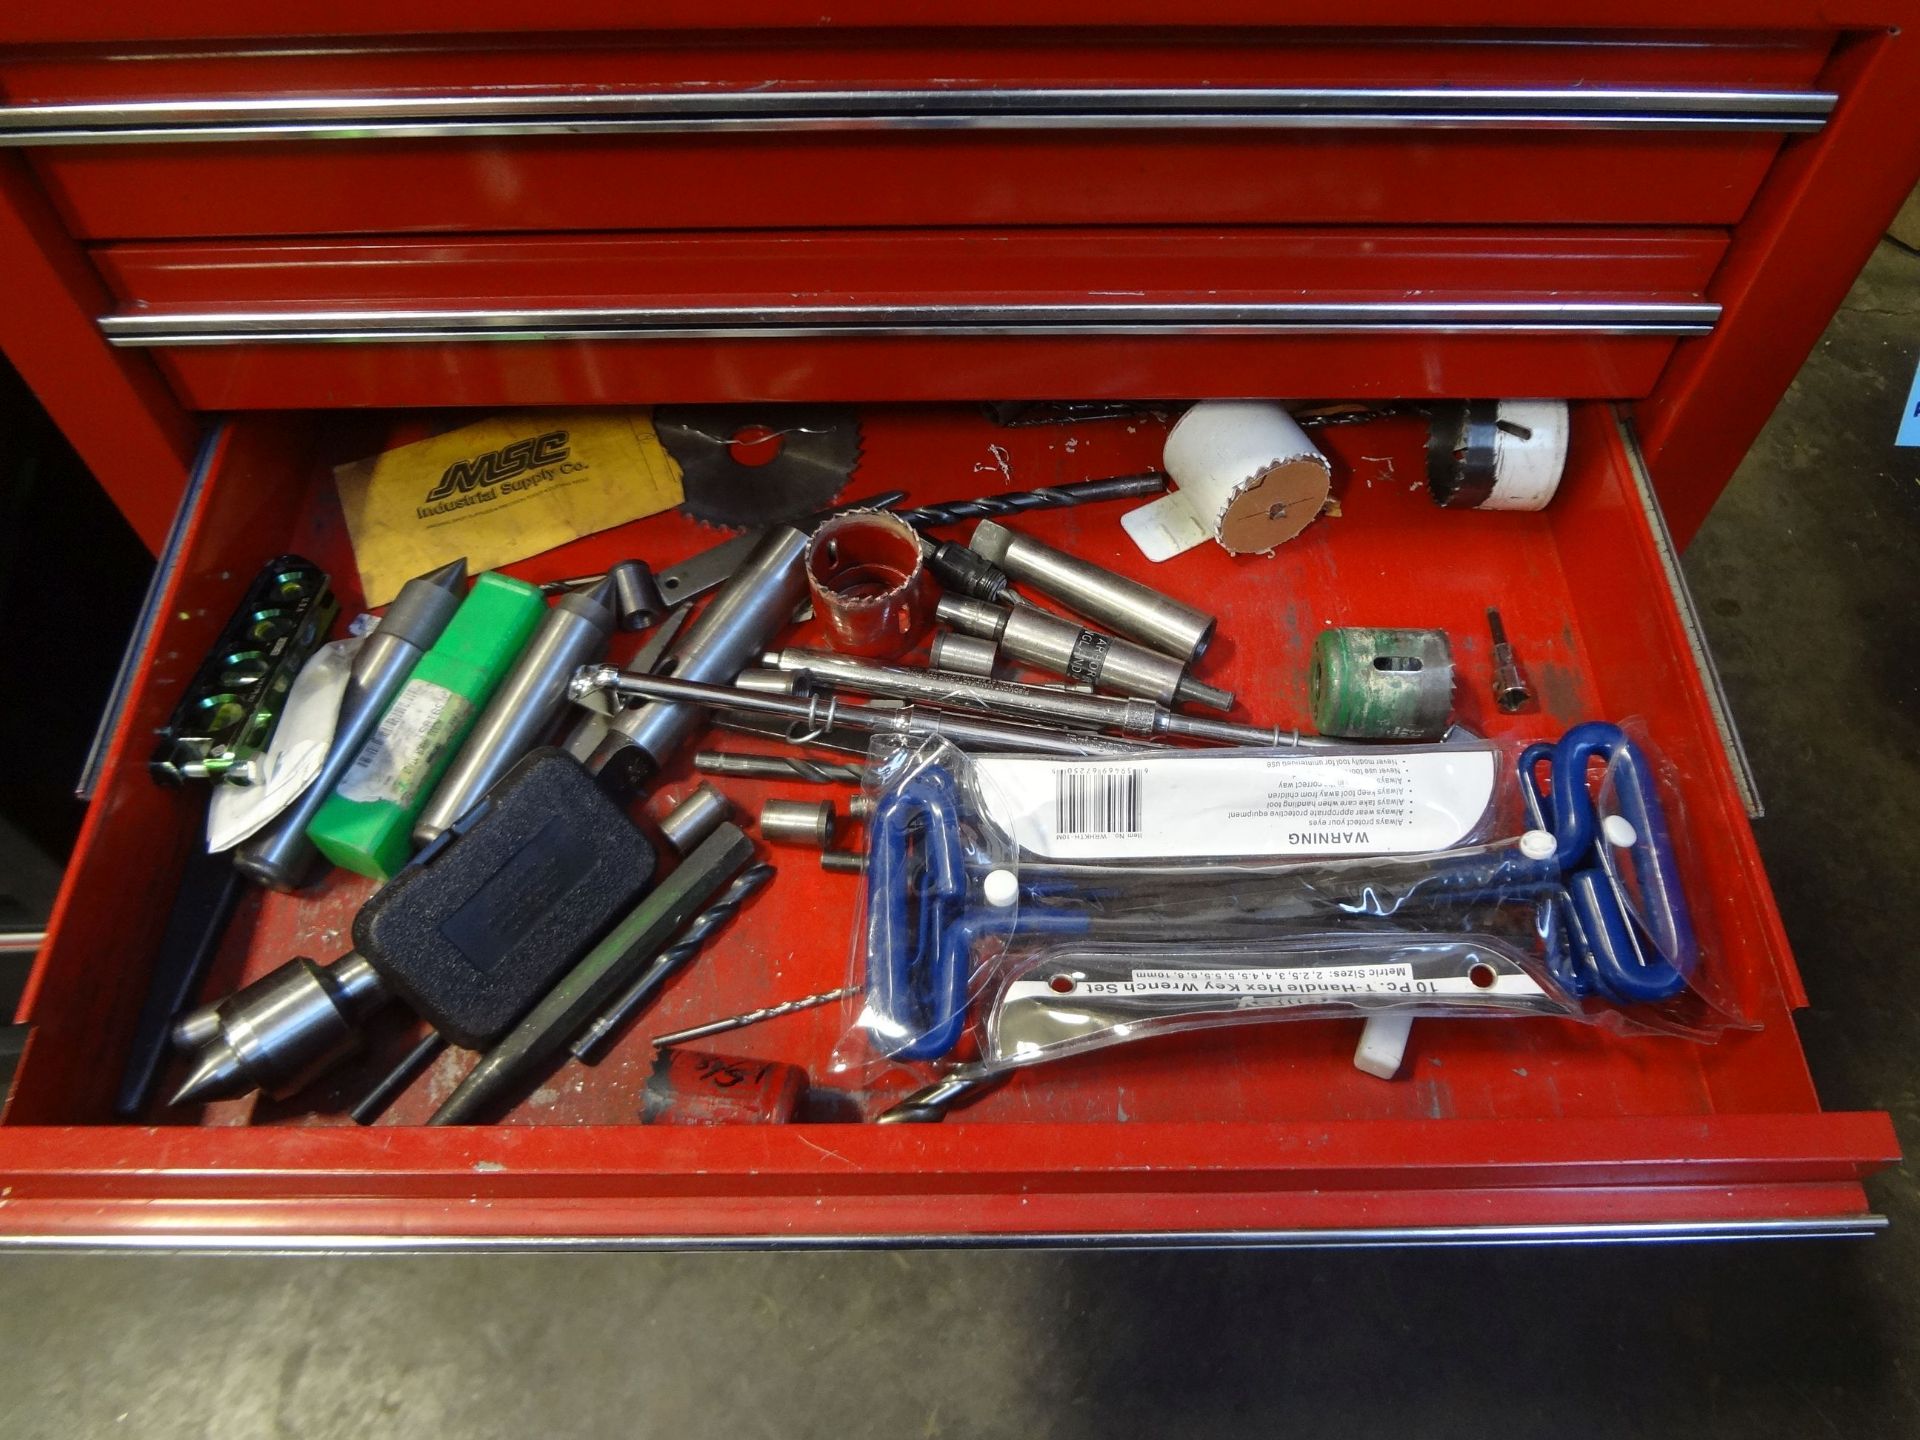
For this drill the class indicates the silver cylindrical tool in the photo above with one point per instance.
(1035, 703)
(1065, 648)
(694, 818)
(780, 767)
(797, 822)
(768, 682)
(1369, 683)
(755, 605)
(279, 1032)
(280, 856)
(818, 714)
(526, 707)
(861, 806)
(958, 654)
(1113, 600)
(844, 862)
(1510, 689)
(637, 595)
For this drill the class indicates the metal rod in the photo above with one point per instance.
(1118, 318)
(1124, 606)
(1068, 648)
(776, 109)
(592, 1042)
(1042, 704)
(826, 712)
(375, 1102)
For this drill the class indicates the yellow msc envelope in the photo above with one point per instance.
(500, 490)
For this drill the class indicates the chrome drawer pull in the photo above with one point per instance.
(235, 327)
(354, 117)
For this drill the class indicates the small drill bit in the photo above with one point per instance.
(374, 1103)
(1051, 497)
(779, 767)
(1510, 689)
(752, 1017)
(592, 1042)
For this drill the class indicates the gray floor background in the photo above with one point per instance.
(1806, 578)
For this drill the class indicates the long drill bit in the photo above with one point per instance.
(1051, 497)
(752, 1017)
(592, 1042)
(779, 767)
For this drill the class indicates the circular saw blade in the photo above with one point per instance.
(818, 447)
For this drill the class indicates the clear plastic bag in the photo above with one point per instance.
(1020, 910)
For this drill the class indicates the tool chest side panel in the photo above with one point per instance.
(114, 409)
(1814, 223)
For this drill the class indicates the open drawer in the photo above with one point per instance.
(1516, 1130)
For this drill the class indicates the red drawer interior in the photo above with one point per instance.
(1250, 1132)
(875, 178)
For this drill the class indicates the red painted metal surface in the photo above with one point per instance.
(113, 408)
(1529, 1123)
(602, 372)
(1817, 220)
(965, 266)
(129, 20)
(751, 271)
(1268, 1128)
(1713, 405)
(367, 186)
(598, 182)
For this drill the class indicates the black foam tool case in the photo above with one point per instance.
(485, 919)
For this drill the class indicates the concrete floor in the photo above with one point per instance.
(1805, 575)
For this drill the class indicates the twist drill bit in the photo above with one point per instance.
(779, 767)
(592, 1042)
(751, 1017)
(1051, 497)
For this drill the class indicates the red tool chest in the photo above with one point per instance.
(211, 230)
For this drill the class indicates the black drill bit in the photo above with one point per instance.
(1052, 497)
(593, 1041)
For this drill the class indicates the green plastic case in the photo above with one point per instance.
(366, 824)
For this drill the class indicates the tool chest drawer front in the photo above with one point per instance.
(869, 130)
(1516, 1130)
(911, 315)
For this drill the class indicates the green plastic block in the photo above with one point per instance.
(366, 825)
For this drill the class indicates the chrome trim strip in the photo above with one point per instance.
(146, 625)
(22, 942)
(1743, 777)
(1356, 1238)
(349, 117)
(824, 321)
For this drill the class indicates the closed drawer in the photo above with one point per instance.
(802, 131)
(1522, 1130)
(912, 315)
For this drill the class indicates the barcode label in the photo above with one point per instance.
(1225, 803)
(1096, 802)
